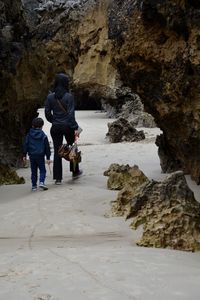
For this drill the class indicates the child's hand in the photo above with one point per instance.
(24, 160)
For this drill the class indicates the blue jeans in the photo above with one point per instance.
(37, 162)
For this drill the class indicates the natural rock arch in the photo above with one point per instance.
(152, 47)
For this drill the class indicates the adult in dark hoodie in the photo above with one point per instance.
(59, 110)
(37, 146)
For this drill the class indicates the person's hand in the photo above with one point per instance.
(24, 160)
(76, 133)
(48, 162)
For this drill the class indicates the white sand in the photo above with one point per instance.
(59, 244)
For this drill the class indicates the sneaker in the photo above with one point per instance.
(43, 186)
(58, 182)
(34, 188)
(77, 174)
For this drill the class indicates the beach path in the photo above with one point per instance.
(63, 244)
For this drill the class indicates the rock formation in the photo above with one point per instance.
(106, 47)
(10, 53)
(133, 110)
(120, 176)
(14, 115)
(167, 210)
(122, 130)
(169, 213)
(9, 176)
(157, 55)
(29, 59)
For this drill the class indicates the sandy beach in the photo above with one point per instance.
(62, 243)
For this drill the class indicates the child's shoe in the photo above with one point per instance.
(43, 186)
(34, 188)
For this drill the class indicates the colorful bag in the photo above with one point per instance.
(70, 153)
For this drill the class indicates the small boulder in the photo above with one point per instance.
(9, 176)
(122, 130)
(123, 175)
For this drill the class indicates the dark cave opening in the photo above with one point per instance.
(85, 101)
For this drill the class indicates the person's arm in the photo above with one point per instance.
(47, 111)
(25, 148)
(47, 148)
(71, 112)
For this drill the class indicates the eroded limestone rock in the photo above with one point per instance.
(29, 59)
(122, 130)
(167, 210)
(94, 69)
(14, 114)
(9, 176)
(123, 175)
(133, 111)
(157, 53)
(151, 47)
(130, 189)
(169, 213)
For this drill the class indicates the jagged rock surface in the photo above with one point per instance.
(29, 59)
(157, 54)
(167, 210)
(133, 110)
(149, 46)
(129, 106)
(9, 176)
(14, 114)
(128, 180)
(169, 213)
(122, 130)
(123, 175)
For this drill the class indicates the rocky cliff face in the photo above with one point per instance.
(149, 46)
(157, 54)
(43, 38)
(13, 39)
(35, 45)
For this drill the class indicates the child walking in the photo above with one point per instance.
(37, 146)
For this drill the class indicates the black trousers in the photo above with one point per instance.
(57, 133)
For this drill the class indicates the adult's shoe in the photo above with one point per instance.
(77, 174)
(58, 182)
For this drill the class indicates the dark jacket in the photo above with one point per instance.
(36, 143)
(56, 115)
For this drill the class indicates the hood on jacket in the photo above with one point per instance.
(36, 134)
(61, 85)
